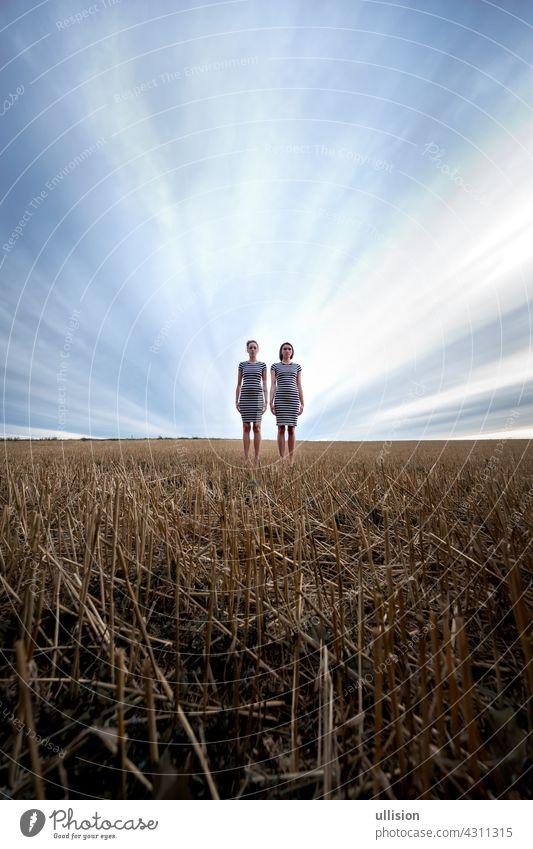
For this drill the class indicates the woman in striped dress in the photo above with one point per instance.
(286, 398)
(250, 397)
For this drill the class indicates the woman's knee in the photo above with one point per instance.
(257, 427)
(246, 426)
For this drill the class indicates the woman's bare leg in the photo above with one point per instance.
(246, 439)
(257, 440)
(281, 440)
(292, 442)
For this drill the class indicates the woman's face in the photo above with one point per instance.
(286, 352)
(253, 348)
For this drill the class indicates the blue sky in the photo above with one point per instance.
(352, 176)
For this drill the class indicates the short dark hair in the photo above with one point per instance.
(252, 340)
(280, 350)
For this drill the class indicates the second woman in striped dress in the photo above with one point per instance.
(250, 397)
(286, 398)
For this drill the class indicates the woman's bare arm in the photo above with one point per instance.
(300, 392)
(238, 390)
(272, 389)
(265, 395)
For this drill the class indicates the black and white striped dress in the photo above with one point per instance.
(251, 399)
(287, 397)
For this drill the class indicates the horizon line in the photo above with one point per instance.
(479, 438)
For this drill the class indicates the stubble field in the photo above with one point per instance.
(174, 625)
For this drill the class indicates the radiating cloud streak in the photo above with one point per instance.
(355, 178)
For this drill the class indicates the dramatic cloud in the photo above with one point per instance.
(353, 177)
